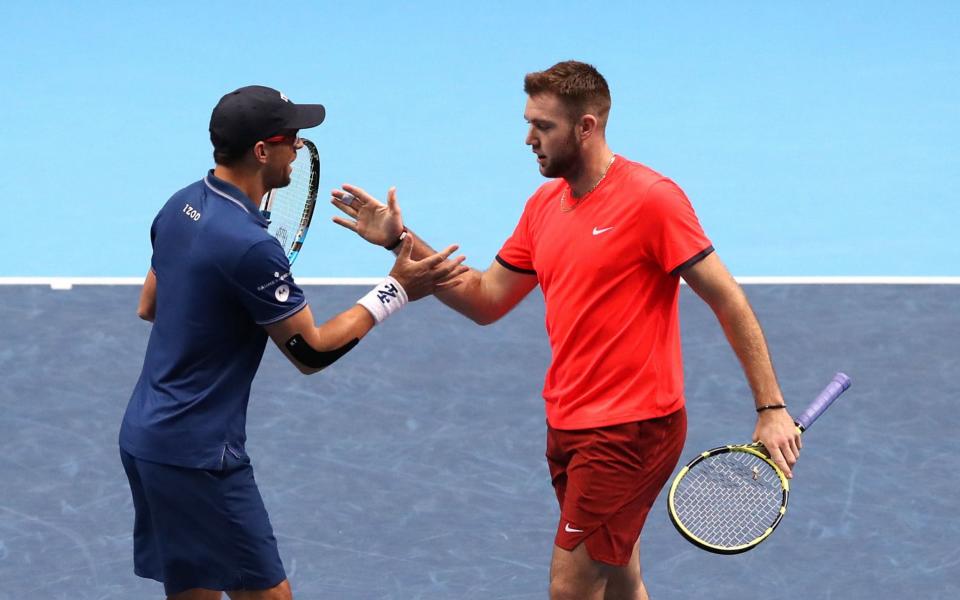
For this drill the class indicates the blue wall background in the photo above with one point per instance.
(813, 139)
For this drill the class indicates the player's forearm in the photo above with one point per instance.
(312, 348)
(745, 336)
(470, 300)
(467, 298)
(353, 323)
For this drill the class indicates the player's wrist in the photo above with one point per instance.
(392, 246)
(771, 407)
(386, 298)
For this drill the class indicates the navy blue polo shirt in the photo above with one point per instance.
(220, 278)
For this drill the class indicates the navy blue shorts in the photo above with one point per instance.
(201, 529)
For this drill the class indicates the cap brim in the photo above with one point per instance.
(307, 116)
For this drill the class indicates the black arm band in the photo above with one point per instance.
(301, 350)
(394, 245)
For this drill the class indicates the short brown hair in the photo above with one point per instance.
(580, 87)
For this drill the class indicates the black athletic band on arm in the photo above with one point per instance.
(396, 244)
(301, 350)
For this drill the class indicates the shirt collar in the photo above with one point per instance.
(232, 193)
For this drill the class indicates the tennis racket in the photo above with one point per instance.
(289, 209)
(729, 499)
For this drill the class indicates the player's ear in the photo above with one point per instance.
(260, 152)
(588, 126)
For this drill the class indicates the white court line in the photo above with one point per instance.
(851, 280)
(67, 283)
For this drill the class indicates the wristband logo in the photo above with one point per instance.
(387, 293)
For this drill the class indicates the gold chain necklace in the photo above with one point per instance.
(563, 196)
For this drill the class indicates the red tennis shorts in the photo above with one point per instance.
(606, 480)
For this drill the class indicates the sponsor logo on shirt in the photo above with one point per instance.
(282, 293)
(277, 278)
(192, 213)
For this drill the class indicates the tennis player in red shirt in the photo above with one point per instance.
(607, 240)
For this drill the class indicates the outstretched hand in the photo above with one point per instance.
(378, 223)
(423, 277)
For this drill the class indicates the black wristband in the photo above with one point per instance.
(393, 246)
(770, 407)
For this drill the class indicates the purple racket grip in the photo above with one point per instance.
(822, 402)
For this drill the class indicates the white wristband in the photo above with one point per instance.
(386, 298)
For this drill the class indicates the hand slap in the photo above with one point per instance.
(449, 269)
(423, 277)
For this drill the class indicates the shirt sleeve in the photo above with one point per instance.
(264, 284)
(671, 232)
(516, 253)
(153, 240)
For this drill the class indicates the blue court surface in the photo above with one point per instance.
(414, 468)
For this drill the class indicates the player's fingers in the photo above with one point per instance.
(361, 194)
(454, 277)
(451, 266)
(406, 247)
(344, 207)
(350, 200)
(441, 256)
(451, 283)
(351, 225)
(343, 196)
(392, 198)
(459, 272)
(788, 453)
(795, 448)
(777, 455)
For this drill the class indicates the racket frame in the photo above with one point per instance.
(311, 202)
(756, 450)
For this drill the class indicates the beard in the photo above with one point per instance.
(565, 162)
(278, 179)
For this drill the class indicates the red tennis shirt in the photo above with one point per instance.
(609, 274)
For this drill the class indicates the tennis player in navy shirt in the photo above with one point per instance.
(218, 286)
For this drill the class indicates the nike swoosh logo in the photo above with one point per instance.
(569, 529)
(599, 231)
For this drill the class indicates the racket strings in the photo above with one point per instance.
(290, 210)
(729, 499)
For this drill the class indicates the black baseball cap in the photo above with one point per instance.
(255, 112)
